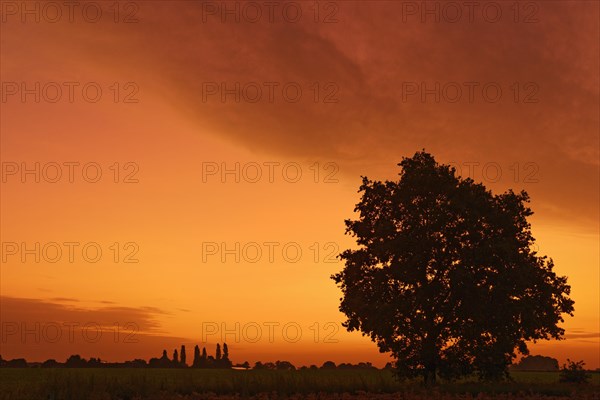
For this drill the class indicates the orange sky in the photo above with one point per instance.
(373, 71)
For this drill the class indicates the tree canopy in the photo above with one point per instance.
(445, 277)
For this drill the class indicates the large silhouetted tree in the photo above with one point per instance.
(445, 277)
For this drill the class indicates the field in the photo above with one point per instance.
(166, 384)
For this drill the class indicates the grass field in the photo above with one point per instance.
(123, 383)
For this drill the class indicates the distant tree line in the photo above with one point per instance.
(221, 360)
(200, 360)
(287, 366)
(178, 360)
(536, 363)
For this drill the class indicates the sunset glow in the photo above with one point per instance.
(212, 157)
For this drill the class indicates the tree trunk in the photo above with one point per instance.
(429, 376)
(430, 357)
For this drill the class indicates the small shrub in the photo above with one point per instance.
(574, 372)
